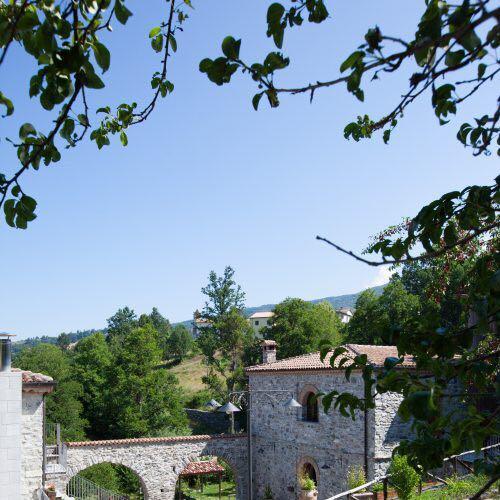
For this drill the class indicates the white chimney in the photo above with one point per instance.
(268, 351)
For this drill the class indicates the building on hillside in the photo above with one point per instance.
(22, 409)
(288, 443)
(345, 314)
(259, 320)
(198, 324)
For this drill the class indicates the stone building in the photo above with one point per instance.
(21, 432)
(287, 443)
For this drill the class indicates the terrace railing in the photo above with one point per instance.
(81, 488)
(455, 461)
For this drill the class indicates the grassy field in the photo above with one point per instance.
(210, 491)
(189, 373)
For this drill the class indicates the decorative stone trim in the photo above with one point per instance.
(139, 441)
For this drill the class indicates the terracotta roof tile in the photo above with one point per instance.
(153, 440)
(34, 378)
(376, 356)
(202, 467)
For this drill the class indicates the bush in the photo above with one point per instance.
(403, 478)
(268, 493)
(307, 484)
(355, 477)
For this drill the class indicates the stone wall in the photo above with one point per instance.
(10, 435)
(211, 422)
(157, 461)
(32, 444)
(282, 440)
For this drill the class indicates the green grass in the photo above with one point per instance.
(460, 488)
(210, 491)
(189, 373)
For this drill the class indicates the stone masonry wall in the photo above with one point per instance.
(10, 435)
(282, 441)
(158, 463)
(32, 444)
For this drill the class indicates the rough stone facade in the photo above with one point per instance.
(283, 442)
(212, 422)
(32, 444)
(157, 461)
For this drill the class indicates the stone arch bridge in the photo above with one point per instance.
(156, 461)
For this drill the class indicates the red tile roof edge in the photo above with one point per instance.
(153, 440)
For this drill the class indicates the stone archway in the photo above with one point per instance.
(77, 482)
(157, 461)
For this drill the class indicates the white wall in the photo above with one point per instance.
(10, 435)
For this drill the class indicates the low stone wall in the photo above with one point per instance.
(209, 422)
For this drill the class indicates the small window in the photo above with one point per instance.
(310, 409)
(256, 322)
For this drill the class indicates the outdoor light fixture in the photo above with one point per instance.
(213, 404)
(228, 408)
(292, 403)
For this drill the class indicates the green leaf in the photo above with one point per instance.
(16, 190)
(231, 47)
(7, 103)
(352, 60)
(173, 43)
(8, 208)
(481, 70)
(275, 13)
(255, 101)
(123, 138)
(205, 65)
(154, 32)
(121, 12)
(454, 58)
(157, 43)
(26, 130)
(102, 56)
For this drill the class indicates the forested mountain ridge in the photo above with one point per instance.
(336, 301)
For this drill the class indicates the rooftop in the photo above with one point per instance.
(376, 356)
(261, 314)
(202, 467)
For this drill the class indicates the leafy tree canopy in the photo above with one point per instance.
(300, 327)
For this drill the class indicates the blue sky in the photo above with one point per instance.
(208, 182)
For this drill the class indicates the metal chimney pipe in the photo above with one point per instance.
(5, 352)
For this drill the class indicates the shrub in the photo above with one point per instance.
(307, 484)
(268, 493)
(403, 478)
(355, 477)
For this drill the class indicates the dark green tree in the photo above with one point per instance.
(144, 399)
(64, 340)
(179, 343)
(375, 318)
(92, 363)
(300, 327)
(63, 405)
(120, 324)
(223, 341)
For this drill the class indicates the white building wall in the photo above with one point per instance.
(10, 435)
(32, 444)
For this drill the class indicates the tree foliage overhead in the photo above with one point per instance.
(66, 40)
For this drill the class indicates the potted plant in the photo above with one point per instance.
(308, 489)
(50, 490)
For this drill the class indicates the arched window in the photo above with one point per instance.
(310, 408)
(308, 470)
